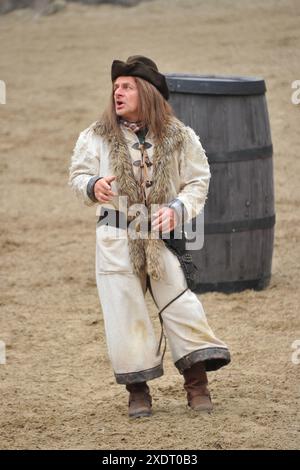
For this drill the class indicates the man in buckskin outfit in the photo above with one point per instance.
(139, 152)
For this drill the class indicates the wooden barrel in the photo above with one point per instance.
(230, 116)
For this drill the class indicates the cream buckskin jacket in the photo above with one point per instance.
(180, 174)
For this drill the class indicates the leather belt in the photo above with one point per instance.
(118, 219)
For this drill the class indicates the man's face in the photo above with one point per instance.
(126, 98)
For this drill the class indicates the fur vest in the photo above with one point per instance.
(145, 253)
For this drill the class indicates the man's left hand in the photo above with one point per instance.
(164, 220)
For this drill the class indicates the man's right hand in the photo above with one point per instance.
(102, 189)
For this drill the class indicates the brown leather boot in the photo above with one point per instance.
(140, 400)
(195, 384)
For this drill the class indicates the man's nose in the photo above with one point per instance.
(118, 93)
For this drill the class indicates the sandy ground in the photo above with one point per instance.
(57, 387)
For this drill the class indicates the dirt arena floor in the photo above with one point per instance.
(57, 386)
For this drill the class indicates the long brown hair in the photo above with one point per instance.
(154, 111)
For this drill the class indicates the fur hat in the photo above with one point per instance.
(140, 66)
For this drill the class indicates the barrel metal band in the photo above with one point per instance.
(241, 155)
(235, 286)
(215, 85)
(240, 225)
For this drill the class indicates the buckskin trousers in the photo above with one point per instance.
(131, 341)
